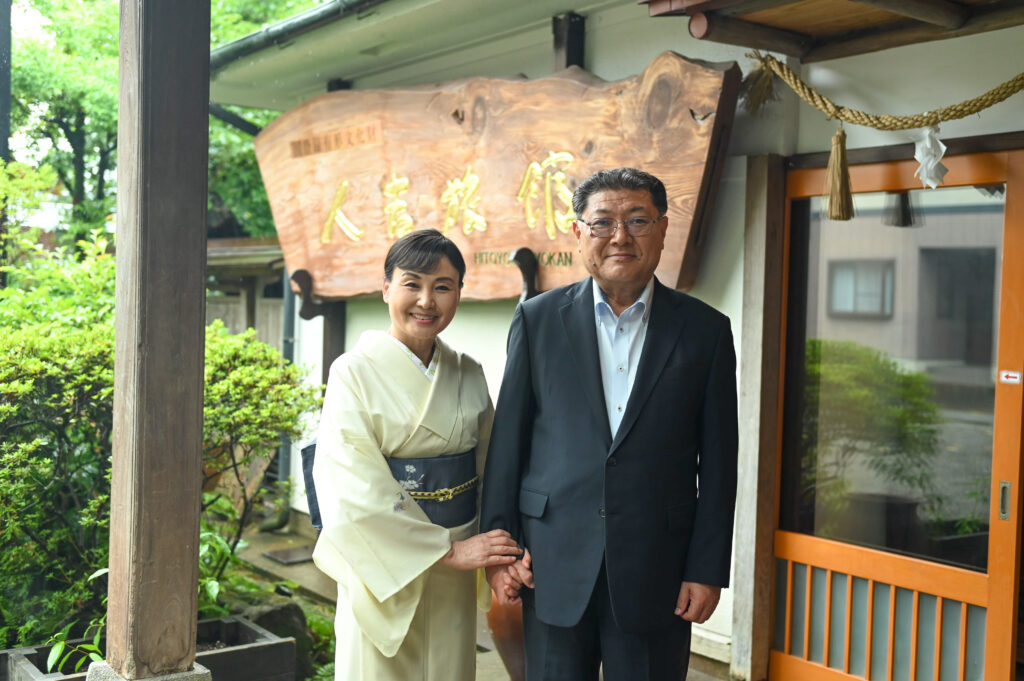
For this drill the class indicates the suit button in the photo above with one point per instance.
(612, 461)
(601, 512)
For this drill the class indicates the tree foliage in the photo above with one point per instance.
(22, 188)
(238, 202)
(64, 100)
(860, 405)
(64, 85)
(56, 420)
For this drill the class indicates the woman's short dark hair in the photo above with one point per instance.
(421, 251)
(620, 178)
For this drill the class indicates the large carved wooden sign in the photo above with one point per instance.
(493, 164)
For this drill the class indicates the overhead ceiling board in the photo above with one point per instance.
(384, 36)
(817, 30)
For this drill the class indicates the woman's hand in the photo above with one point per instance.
(483, 550)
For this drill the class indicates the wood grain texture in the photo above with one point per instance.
(671, 120)
(158, 364)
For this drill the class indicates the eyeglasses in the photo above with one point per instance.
(602, 228)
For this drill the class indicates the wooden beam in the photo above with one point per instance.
(159, 336)
(722, 29)
(234, 120)
(658, 8)
(569, 32)
(984, 18)
(935, 12)
(1003, 141)
(732, 8)
(663, 8)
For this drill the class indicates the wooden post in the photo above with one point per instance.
(756, 510)
(335, 84)
(334, 335)
(5, 115)
(158, 368)
(569, 32)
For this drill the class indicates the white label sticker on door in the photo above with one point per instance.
(1009, 377)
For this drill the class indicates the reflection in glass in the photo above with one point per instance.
(890, 368)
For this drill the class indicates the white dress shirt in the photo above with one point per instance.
(619, 343)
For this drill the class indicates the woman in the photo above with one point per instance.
(405, 416)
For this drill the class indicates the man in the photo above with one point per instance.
(613, 453)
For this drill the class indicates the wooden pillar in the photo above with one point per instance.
(569, 33)
(335, 84)
(158, 369)
(5, 115)
(334, 335)
(760, 380)
(5, 79)
(251, 288)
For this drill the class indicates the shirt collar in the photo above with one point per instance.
(643, 302)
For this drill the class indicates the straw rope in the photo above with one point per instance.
(885, 121)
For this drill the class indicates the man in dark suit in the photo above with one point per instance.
(613, 453)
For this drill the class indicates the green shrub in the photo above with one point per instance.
(56, 418)
(860, 404)
(56, 396)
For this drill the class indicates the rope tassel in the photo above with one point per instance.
(837, 180)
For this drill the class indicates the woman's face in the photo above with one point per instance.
(422, 305)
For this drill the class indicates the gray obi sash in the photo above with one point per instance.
(441, 485)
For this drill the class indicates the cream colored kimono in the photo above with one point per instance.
(400, 616)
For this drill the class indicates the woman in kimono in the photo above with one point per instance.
(401, 445)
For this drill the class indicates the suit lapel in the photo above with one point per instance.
(663, 330)
(577, 313)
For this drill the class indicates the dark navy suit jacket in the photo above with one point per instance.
(656, 502)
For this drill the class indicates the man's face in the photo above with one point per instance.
(621, 261)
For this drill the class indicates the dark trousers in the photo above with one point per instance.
(577, 653)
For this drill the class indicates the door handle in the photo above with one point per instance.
(1004, 499)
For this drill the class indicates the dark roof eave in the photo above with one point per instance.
(286, 30)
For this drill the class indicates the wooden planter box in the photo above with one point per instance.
(244, 652)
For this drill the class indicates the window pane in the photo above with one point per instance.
(844, 287)
(890, 368)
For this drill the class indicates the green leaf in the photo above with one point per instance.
(213, 590)
(54, 656)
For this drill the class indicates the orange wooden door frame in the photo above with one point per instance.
(999, 586)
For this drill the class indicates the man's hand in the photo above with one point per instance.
(507, 580)
(697, 601)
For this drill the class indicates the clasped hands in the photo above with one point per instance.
(508, 573)
(507, 580)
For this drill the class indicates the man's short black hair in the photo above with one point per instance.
(620, 178)
(421, 251)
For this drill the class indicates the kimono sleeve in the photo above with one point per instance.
(368, 519)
